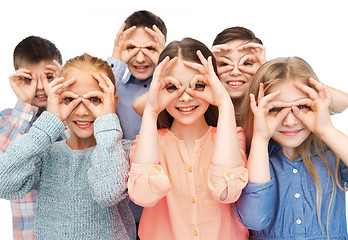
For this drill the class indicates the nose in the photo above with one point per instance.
(290, 120)
(140, 57)
(235, 71)
(81, 110)
(39, 84)
(185, 97)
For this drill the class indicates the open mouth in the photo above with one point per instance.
(235, 84)
(41, 97)
(83, 124)
(187, 110)
(141, 68)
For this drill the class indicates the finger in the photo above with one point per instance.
(202, 58)
(298, 113)
(251, 46)
(91, 94)
(282, 114)
(247, 58)
(120, 31)
(170, 63)
(195, 66)
(125, 33)
(196, 78)
(253, 104)
(172, 80)
(160, 67)
(69, 94)
(311, 92)
(303, 101)
(221, 47)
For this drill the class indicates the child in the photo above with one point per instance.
(296, 180)
(138, 44)
(31, 57)
(188, 173)
(81, 181)
(239, 53)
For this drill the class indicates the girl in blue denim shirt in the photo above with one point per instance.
(298, 160)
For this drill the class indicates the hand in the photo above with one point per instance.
(121, 50)
(220, 48)
(250, 63)
(23, 84)
(101, 102)
(153, 49)
(207, 85)
(223, 64)
(314, 112)
(268, 114)
(53, 71)
(163, 90)
(60, 103)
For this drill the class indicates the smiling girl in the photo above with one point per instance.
(81, 182)
(188, 170)
(298, 160)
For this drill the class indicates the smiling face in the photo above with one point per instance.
(186, 110)
(81, 120)
(40, 99)
(291, 133)
(140, 66)
(235, 81)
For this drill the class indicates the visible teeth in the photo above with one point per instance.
(40, 96)
(187, 109)
(83, 123)
(235, 83)
(141, 67)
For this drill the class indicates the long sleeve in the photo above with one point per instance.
(15, 122)
(256, 206)
(20, 165)
(118, 68)
(108, 174)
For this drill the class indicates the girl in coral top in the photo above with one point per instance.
(188, 167)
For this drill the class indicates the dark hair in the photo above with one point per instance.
(35, 49)
(236, 33)
(187, 50)
(86, 61)
(145, 18)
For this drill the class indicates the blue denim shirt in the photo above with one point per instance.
(128, 89)
(285, 207)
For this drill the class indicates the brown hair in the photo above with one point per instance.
(236, 33)
(187, 50)
(87, 61)
(35, 49)
(271, 73)
(145, 18)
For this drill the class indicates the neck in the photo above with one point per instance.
(189, 133)
(291, 153)
(76, 143)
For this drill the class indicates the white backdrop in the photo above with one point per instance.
(314, 30)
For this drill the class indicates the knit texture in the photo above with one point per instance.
(81, 194)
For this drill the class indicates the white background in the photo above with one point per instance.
(312, 29)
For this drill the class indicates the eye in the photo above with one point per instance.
(130, 47)
(68, 100)
(248, 63)
(275, 110)
(94, 100)
(171, 88)
(27, 81)
(303, 107)
(151, 48)
(222, 64)
(49, 77)
(199, 86)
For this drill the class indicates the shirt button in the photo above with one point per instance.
(297, 195)
(195, 233)
(298, 221)
(295, 171)
(189, 169)
(193, 200)
(158, 168)
(112, 65)
(228, 174)
(145, 85)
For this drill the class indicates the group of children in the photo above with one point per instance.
(226, 145)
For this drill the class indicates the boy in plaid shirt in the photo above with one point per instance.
(33, 58)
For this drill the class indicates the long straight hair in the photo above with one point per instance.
(270, 74)
(186, 49)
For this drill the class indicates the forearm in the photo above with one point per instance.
(337, 142)
(258, 161)
(339, 100)
(227, 152)
(147, 150)
(20, 164)
(109, 170)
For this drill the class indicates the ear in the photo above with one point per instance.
(116, 99)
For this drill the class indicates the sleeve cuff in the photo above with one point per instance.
(107, 122)
(50, 124)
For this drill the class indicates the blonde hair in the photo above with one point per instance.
(87, 62)
(271, 73)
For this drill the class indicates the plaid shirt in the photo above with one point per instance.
(14, 123)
